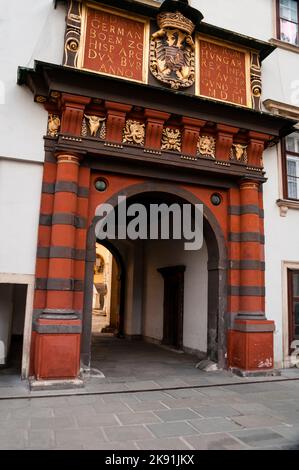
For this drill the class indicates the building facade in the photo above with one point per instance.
(161, 102)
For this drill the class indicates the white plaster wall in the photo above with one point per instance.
(29, 30)
(159, 254)
(280, 77)
(282, 244)
(249, 17)
(20, 192)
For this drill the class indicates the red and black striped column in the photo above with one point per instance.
(250, 342)
(58, 327)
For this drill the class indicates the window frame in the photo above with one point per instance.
(278, 27)
(285, 154)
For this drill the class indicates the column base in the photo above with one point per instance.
(48, 385)
(255, 373)
(57, 350)
(250, 346)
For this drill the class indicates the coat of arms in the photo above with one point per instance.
(172, 50)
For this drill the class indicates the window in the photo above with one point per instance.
(293, 279)
(291, 166)
(288, 21)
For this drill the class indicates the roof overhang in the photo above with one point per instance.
(46, 78)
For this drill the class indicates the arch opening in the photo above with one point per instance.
(145, 290)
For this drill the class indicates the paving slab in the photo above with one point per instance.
(259, 438)
(147, 406)
(218, 441)
(172, 429)
(164, 444)
(216, 411)
(78, 438)
(176, 414)
(214, 425)
(256, 421)
(146, 417)
(125, 433)
(97, 420)
(37, 440)
(65, 422)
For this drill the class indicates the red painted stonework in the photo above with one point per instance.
(114, 44)
(57, 356)
(190, 135)
(154, 128)
(225, 137)
(223, 72)
(251, 351)
(116, 118)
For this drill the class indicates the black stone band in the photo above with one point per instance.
(52, 284)
(247, 237)
(246, 291)
(63, 252)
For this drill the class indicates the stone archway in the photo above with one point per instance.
(217, 269)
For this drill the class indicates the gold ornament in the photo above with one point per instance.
(171, 139)
(207, 146)
(134, 132)
(239, 153)
(53, 125)
(94, 123)
(172, 59)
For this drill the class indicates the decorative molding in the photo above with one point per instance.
(286, 204)
(134, 132)
(256, 81)
(206, 146)
(72, 34)
(282, 109)
(171, 139)
(284, 45)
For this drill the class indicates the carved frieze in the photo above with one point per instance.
(206, 146)
(134, 132)
(172, 48)
(171, 139)
(238, 153)
(53, 125)
(94, 126)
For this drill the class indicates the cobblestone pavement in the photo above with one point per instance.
(245, 416)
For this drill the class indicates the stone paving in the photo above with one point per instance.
(233, 417)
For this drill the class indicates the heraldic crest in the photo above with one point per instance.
(172, 57)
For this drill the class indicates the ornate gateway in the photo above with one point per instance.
(172, 58)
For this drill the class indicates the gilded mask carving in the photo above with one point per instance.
(172, 51)
(94, 126)
(53, 125)
(171, 139)
(239, 153)
(206, 146)
(134, 132)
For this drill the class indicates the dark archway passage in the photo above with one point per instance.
(132, 294)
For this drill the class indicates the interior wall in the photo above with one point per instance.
(159, 254)
(19, 307)
(6, 310)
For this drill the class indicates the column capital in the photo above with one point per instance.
(249, 184)
(65, 157)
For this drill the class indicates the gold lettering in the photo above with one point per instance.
(92, 54)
